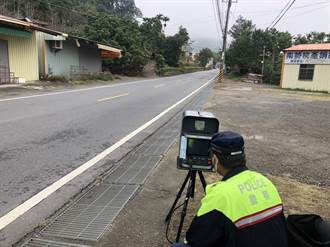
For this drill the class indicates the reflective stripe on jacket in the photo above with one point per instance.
(246, 199)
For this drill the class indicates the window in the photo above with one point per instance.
(306, 72)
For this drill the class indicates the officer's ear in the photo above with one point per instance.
(217, 163)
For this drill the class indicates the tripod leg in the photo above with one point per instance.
(201, 177)
(193, 182)
(178, 195)
(190, 190)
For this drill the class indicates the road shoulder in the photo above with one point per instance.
(141, 222)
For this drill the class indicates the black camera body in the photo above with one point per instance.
(195, 138)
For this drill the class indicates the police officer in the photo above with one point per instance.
(242, 210)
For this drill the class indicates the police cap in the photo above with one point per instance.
(227, 143)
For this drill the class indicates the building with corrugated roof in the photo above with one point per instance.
(18, 50)
(71, 56)
(307, 67)
(29, 51)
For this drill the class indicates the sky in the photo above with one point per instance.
(198, 16)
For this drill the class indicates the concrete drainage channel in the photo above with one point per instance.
(86, 219)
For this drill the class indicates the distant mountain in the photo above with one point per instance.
(201, 43)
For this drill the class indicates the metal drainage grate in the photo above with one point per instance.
(161, 140)
(156, 145)
(35, 242)
(133, 170)
(91, 215)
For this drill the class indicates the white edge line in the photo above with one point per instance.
(87, 89)
(78, 90)
(40, 196)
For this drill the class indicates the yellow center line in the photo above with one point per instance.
(160, 85)
(113, 97)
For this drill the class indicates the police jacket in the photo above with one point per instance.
(242, 210)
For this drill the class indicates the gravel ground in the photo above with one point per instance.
(287, 132)
(287, 139)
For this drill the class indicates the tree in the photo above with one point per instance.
(204, 56)
(68, 14)
(172, 47)
(245, 51)
(124, 33)
(312, 38)
(153, 32)
(242, 26)
(118, 7)
(241, 52)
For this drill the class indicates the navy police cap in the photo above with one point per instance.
(227, 143)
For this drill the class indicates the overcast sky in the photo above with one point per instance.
(198, 15)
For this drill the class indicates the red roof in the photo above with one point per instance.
(310, 47)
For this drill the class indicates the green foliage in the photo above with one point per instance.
(153, 35)
(241, 27)
(125, 33)
(68, 14)
(245, 52)
(172, 47)
(56, 79)
(139, 43)
(110, 22)
(204, 56)
(160, 63)
(93, 77)
(118, 7)
(170, 71)
(312, 38)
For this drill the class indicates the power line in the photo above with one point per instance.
(279, 14)
(282, 13)
(266, 12)
(219, 14)
(297, 14)
(216, 21)
(304, 13)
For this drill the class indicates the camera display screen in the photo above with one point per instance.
(198, 147)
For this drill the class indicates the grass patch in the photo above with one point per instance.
(81, 79)
(305, 90)
(95, 76)
(170, 71)
(64, 79)
(234, 76)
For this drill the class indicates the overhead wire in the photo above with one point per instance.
(281, 14)
(266, 12)
(304, 13)
(216, 22)
(219, 14)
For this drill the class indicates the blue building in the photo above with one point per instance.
(71, 56)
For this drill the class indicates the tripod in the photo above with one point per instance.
(191, 178)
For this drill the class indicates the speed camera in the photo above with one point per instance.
(195, 138)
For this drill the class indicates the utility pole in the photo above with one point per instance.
(263, 61)
(224, 44)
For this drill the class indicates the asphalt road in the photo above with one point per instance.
(43, 138)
